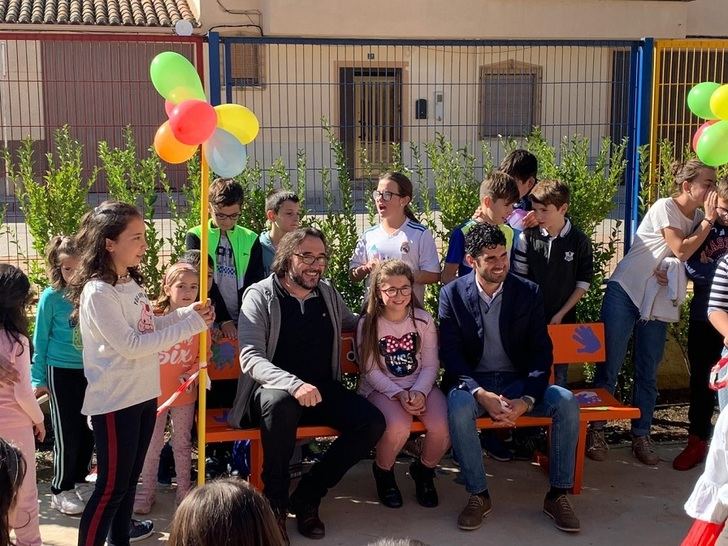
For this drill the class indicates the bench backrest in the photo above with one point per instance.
(573, 344)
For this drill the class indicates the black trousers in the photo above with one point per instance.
(359, 422)
(704, 348)
(74, 441)
(122, 439)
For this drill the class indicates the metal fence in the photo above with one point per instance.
(94, 84)
(679, 65)
(376, 93)
(373, 93)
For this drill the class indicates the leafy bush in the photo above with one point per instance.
(54, 204)
(339, 224)
(138, 181)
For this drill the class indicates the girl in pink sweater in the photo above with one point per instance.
(180, 287)
(21, 419)
(397, 342)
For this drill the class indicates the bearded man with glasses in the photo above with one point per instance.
(290, 330)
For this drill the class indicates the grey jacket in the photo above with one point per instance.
(258, 329)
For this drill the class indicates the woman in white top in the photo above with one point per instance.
(121, 339)
(398, 236)
(673, 226)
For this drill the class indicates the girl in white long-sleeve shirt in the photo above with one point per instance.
(121, 339)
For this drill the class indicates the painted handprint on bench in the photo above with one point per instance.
(588, 340)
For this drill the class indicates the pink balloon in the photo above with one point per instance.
(168, 107)
(193, 121)
(699, 132)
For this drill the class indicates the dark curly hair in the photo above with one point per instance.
(16, 295)
(483, 236)
(12, 474)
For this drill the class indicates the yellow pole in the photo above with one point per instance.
(202, 379)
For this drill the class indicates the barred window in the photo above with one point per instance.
(509, 99)
(246, 63)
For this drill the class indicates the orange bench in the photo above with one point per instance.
(596, 404)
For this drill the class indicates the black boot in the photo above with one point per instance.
(387, 489)
(424, 484)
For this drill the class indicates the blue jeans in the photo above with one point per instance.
(621, 319)
(558, 403)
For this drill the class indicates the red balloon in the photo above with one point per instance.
(193, 121)
(699, 132)
(168, 107)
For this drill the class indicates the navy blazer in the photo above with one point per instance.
(523, 331)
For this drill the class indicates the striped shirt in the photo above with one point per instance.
(718, 300)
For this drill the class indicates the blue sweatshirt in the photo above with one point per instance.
(55, 341)
(701, 268)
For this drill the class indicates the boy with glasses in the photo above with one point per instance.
(235, 250)
(704, 342)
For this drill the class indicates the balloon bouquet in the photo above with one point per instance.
(223, 131)
(709, 100)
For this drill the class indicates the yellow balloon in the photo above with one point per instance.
(719, 102)
(239, 121)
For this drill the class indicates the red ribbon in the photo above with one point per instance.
(182, 388)
(715, 383)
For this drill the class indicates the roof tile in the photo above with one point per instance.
(142, 13)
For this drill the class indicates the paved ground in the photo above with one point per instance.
(622, 502)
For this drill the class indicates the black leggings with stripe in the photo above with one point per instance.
(122, 438)
(74, 441)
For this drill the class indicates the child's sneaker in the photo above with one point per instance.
(67, 502)
(84, 491)
(139, 530)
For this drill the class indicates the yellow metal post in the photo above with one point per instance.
(202, 379)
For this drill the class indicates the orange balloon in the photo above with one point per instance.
(170, 149)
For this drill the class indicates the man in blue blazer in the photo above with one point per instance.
(497, 356)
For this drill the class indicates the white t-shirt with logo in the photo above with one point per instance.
(650, 248)
(412, 243)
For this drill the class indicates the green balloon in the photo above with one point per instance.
(712, 148)
(175, 78)
(699, 99)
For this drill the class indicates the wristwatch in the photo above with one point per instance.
(530, 402)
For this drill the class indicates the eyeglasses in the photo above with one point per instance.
(310, 259)
(393, 292)
(722, 211)
(221, 216)
(384, 195)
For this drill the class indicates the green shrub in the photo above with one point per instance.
(339, 224)
(54, 204)
(138, 181)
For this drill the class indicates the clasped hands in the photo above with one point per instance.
(502, 410)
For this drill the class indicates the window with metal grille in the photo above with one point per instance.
(509, 99)
(246, 64)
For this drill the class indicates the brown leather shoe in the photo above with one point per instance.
(643, 450)
(560, 510)
(471, 518)
(307, 519)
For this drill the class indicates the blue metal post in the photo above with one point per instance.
(213, 44)
(228, 73)
(643, 54)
